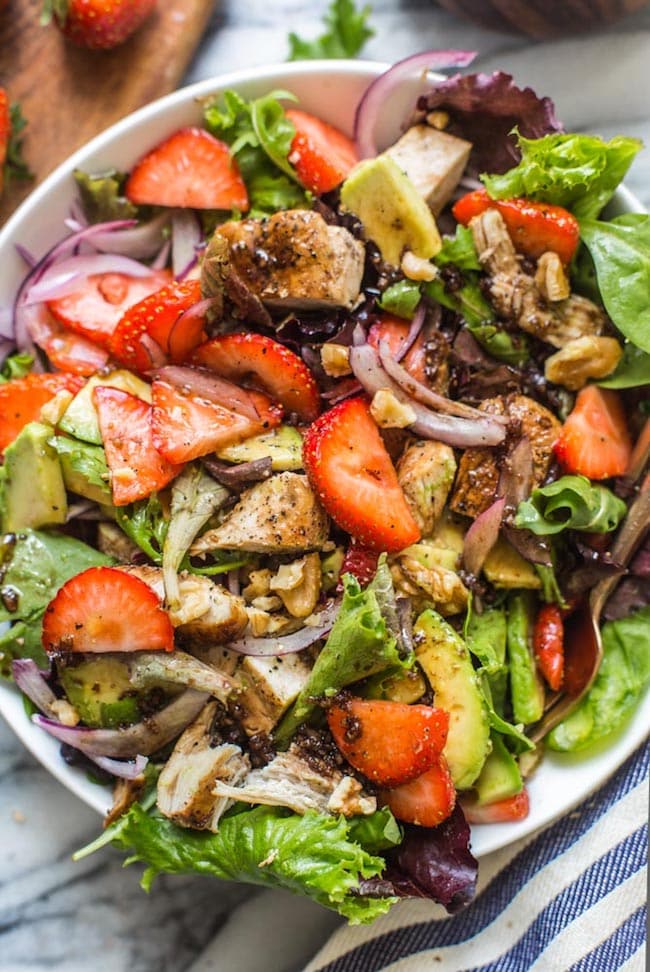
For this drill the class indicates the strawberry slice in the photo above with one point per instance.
(95, 307)
(192, 170)
(510, 809)
(427, 800)
(137, 468)
(22, 399)
(361, 562)
(186, 426)
(389, 742)
(595, 441)
(349, 468)
(106, 609)
(394, 331)
(161, 317)
(321, 154)
(265, 364)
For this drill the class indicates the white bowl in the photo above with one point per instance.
(330, 89)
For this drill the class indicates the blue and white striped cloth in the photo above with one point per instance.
(569, 899)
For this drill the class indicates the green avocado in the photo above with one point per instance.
(447, 664)
(101, 692)
(393, 213)
(33, 488)
(283, 445)
(500, 777)
(80, 417)
(84, 469)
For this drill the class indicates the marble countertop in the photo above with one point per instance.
(55, 914)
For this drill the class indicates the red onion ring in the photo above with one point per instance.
(482, 535)
(31, 682)
(205, 384)
(186, 238)
(140, 240)
(413, 332)
(291, 643)
(374, 99)
(63, 278)
(128, 770)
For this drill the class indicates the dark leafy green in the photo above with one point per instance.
(632, 370)
(570, 503)
(347, 32)
(102, 196)
(579, 172)
(145, 523)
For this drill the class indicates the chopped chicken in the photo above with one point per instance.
(433, 160)
(269, 687)
(515, 295)
(150, 668)
(442, 586)
(295, 259)
(279, 515)
(478, 471)
(290, 781)
(125, 793)
(581, 359)
(426, 471)
(186, 784)
(208, 614)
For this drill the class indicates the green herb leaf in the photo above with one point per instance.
(15, 166)
(347, 32)
(570, 503)
(459, 250)
(145, 523)
(16, 366)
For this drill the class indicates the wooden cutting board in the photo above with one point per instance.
(69, 94)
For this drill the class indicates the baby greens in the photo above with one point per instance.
(570, 503)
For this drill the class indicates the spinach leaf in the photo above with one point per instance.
(632, 370)
(570, 503)
(347, 32)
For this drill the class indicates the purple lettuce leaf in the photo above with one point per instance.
(484, 109)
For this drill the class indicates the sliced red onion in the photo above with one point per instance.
(31, 682)
(6, 323)
(232, 582)
(342, 389)
(139, 240)
(186, 239)
(291, 643)
(516, 478)
(26, 255)
(143, 738)
(128, 770)
(159, 262)
(426, 396)
(455, 431)
(63, 278)
(238, 477)
(377, 94)
(358, 336)
(413, 333)
(205, 384)
(482, 535)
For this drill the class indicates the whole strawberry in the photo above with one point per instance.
(12, 165)
(97, 24)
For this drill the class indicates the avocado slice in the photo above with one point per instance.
(500, 777)
(84, 468)
(504, 567)
(33, 488)
(101, 692)
(393, 213)
(447, 664)
(526, 688)
(80, 417)
(283, 446)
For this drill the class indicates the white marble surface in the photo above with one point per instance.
(58, 915)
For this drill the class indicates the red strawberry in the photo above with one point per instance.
(158, 315)
(595, 441)
(348, 467)
(12, 123)
(191, 169)
(267, 365)
(389, 742)
(393, 330)
(22, 399)
(427, 800)
(97, 24)
(361, 563)
(95, 308)
(508, 810)
(106, 609)
(186, 426)
(321, 155)
(137, 468)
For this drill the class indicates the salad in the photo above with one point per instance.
(314, 456)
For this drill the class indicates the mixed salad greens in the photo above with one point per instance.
(312, 452)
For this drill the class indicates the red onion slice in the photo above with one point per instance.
(205, 384)
(482, 535)
(373, 102)
(413, 332)
(186, 239)
(291, 643)
(143, 738)
(139, 240)
(31, 682)
(128, 770)
(63, 278)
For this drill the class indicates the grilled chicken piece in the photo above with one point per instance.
(433, 160)
(125, 793)
(208, 614)
(426, 472)
(478, 471)
(515, 295)
(290, 781)
(279, 515)
(294, 259)
(186, 786)
(269, 687)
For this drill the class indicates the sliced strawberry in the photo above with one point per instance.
(95, 307)
(548, 644)
(389, 742)
(513, 808)
(22, 399)
(427, 800)
(361, 562)
(65, 350)
(350, 470)
(186, 426)
(106, 609)
(137, 468)
(159, 317)
(321, 154)
(190, 169)
(394, 331)
(595, 441)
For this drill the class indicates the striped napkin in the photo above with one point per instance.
(570, 898)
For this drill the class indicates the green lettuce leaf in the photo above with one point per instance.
(632, 370)
(459, 250)
(621, 680)
(401, 298)
(15, 366)
(145, 523)
(570, 503)
(102, 196)
(347, 32)
(579, 172)
(314, 855)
